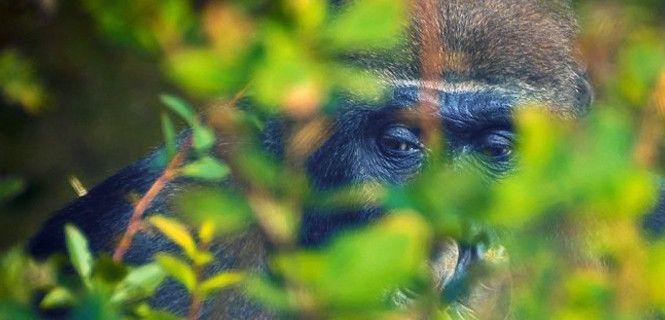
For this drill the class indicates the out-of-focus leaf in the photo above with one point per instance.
(108, 270)
(286, 67)
(96, 306)
(229, 211)
(140, 283)
(641, 63)
(58, 297)
(15, 311)
(381, 258)
(207, 168)
(269, 293)
(178, 270)
(176, 232)
(202, 73)
(203, 137)
(308, 14)
(220, 281)
(179, 106)
(19, 82)
(357, 82)
(169, 135)
(207, 231)
(79, 253)
(145, 312)
(144, 25)
(229, 28)
(359, 26)
(10, 187)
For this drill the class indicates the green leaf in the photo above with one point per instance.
(10, 187)
(220, 281)
(203, 137)
(207, 168)
(381, 257)
(177, 232)
(360, 27)
(146, 313)
(79, 253)
(178, 106)
(230, 212)
(169, 135)
(56, 298)
(109, 271)
(178, 270)
(139, 283)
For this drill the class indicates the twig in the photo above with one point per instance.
(197, 299)
(139, 209)
(651, 131)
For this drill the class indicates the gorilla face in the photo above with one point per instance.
(384, 144)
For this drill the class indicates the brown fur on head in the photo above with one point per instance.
(525, 45)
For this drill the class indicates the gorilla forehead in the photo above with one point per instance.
(458, 109)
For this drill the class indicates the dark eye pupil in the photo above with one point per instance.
(391, 143)
(497, 151)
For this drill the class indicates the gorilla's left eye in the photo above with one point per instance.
(399, 140)
(496, 146)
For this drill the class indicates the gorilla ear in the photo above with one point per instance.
(583, 93)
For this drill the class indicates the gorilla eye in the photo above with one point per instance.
(496, 146)
(400, 140)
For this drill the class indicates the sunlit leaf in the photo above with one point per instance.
(207, 168)
(220, 281)
(140, 283)
(10, 187)
(178, 106)
(202, 73)
(79, 253)
(381, 258)
(169, 135)
(286, 67)
(176, 232)
(146, 312)
(178, 270)
(230, 212)
(203, 137)
(359, 26)
(19, 82)
(58, 297)
(207, 231)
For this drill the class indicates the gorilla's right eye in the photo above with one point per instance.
(400, 140)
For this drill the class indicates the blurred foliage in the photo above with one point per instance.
(19, 83)
(566, 222)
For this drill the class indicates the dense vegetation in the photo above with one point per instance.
(573, 245)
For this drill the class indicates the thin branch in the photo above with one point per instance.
(139, 209)
(651, 131)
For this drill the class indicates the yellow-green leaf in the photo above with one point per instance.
(169, 135)
(220, 281)
(178, 106)
(207, 168)
(139, 283)
(207, 231)
(79, 252)
(56, 298)
(176, 232)
(178, 270)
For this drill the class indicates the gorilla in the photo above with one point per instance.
(493, 56)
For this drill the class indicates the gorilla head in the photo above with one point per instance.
(469, 64)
